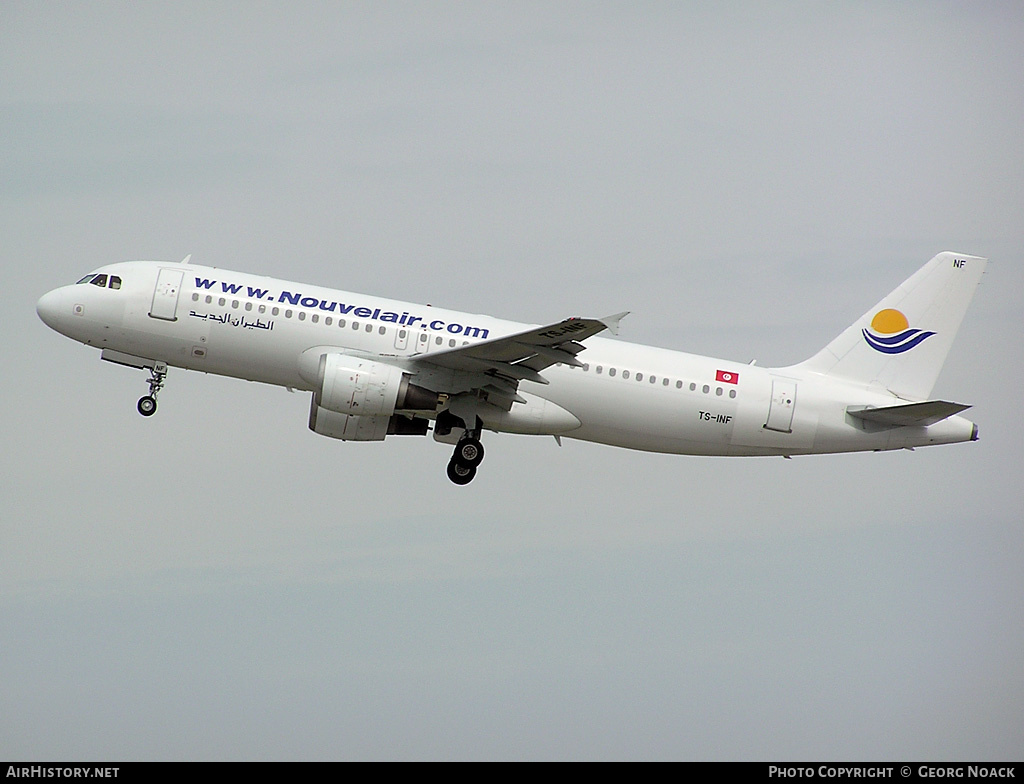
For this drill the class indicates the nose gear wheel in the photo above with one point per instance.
(147, 403)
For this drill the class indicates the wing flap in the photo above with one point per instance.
(912, 414)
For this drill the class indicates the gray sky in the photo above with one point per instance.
(747, 179)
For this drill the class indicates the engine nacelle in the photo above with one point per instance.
(363, 428)
(364, 388)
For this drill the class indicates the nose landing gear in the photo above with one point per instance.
(147, 403)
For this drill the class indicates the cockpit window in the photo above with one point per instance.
(103, 281)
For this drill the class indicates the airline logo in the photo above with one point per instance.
(890, 333)
(727, 377)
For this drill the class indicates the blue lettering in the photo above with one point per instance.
(437, 325)
(203, 283)
(231, 288)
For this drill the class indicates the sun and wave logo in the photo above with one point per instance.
(890, 333)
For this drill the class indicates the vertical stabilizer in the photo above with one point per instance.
(901, 343)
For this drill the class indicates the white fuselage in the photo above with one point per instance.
(628, 395)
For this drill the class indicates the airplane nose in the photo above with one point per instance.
(49, 307)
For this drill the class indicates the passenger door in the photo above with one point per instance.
(165, 295)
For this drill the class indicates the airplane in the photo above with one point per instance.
(379, 367)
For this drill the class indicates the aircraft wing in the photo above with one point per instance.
(504, 362)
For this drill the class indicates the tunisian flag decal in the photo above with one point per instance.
(727, 377)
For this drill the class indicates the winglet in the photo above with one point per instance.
(612, 322)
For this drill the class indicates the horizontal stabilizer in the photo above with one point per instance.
(921, 414)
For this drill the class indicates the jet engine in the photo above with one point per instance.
(348, 427)
(364, 388)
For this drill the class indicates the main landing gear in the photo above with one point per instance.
(469, 453)
(147, 403)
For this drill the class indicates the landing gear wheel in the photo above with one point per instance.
(460, 474)
(469, 452)
(147, 403)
